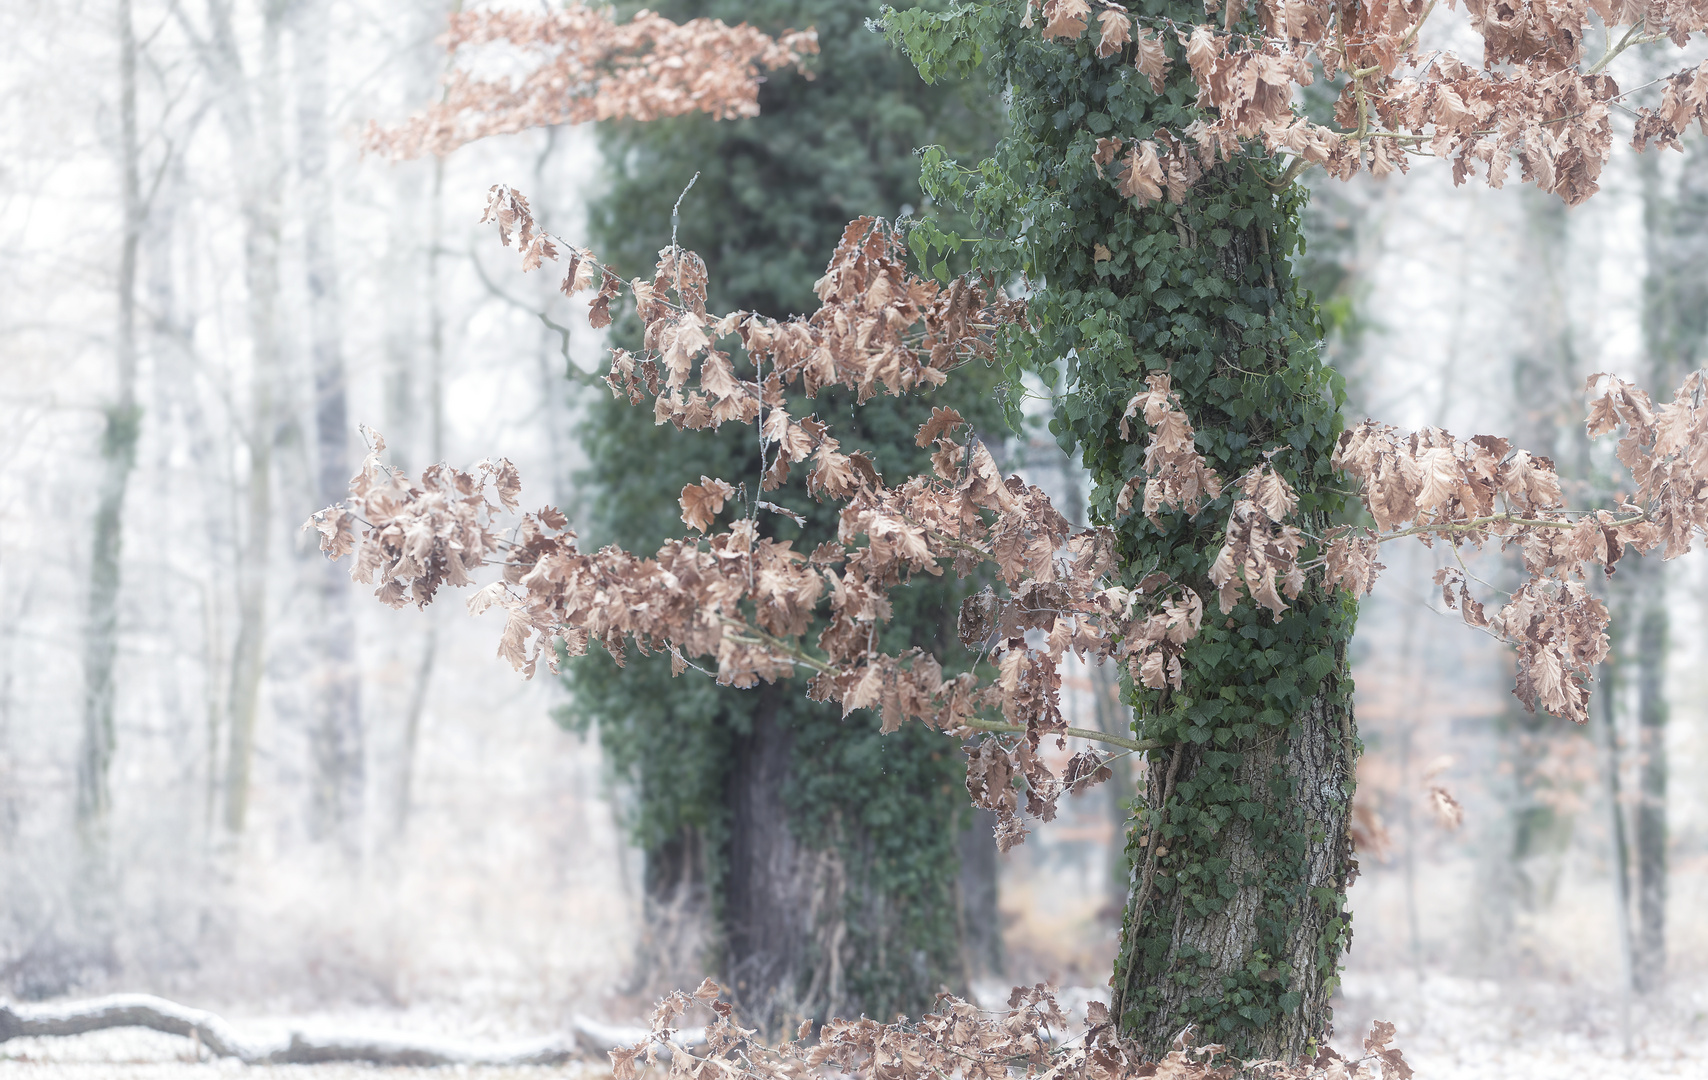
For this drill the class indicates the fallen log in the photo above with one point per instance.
(299, 1048)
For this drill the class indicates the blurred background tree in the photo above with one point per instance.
(817, 868)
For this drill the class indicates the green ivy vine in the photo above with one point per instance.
(1205, 291)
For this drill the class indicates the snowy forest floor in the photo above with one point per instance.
(1451, 1028)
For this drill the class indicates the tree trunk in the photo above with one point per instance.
(1235, 919)
(118, 456)
(250, 112)
(1675, 333)
(1524, 871)
(772, 898)
(399, 396)
(409, 389)
(1649, 820)
(1191, 954)
(978, 897)
(337, 736)
(827, 854)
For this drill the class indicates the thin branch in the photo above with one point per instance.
(1002, 728)
(1474, 524)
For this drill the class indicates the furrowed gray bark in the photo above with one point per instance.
(768, 905)
(1317, 755)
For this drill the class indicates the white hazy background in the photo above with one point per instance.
(499, 898)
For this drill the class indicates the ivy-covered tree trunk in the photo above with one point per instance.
(1235, 919)
(806, 860)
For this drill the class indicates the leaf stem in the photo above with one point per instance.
(1473, 524)
(1122, 741)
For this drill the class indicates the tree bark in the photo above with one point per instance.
(1649, 821)
(250, 112)
(1192, 948)
(118, 457)
(1675, 335)
(978, 896)
(1235, 919)
(337, 737)
(828, 856)
(1524, 871)
(771, 896)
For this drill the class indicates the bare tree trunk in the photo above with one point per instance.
(118, 454)
(401, 805)
(250, 112)
(1524, 870)
(1607, 694)
(337, 735)
(1675, 332)
(1649, 820)
(404, 799)
(980, 897)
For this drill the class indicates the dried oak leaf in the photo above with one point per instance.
(704, 501)
(1152, 60)
(942, 422)
(1448, 813)
(1065, 18)
(1115, 28)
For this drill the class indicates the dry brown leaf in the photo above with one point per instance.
(704, 501)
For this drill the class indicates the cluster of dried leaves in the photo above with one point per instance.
(1470, 494)
(1536, 97)
(742, 606)
(587, 66)
(1031, 1040)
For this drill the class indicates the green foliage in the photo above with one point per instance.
(1206, 292)
(774, 195)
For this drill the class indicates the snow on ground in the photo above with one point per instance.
(135, 1054)
(1480, 1029)
(1450, 1028)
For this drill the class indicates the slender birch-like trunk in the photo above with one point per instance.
(336, 736)
(1675, 334)
(118, 457)
(250, 112)
(435, 394)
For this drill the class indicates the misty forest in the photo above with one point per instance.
(970, 540)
